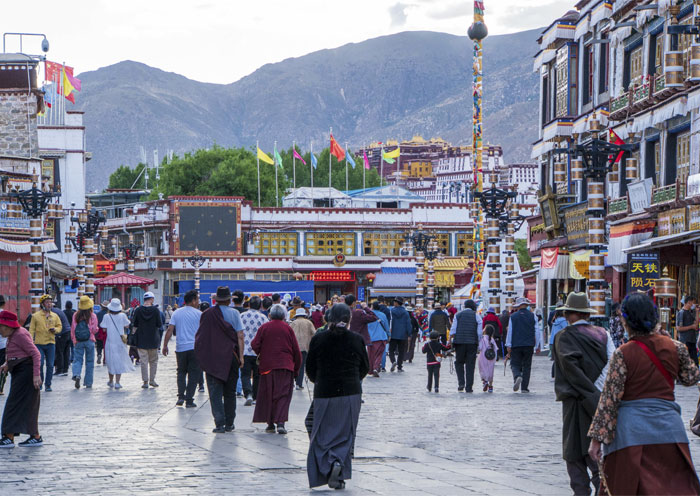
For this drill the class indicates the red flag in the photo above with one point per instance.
(617, 141)
(71, 98)
(336, 150)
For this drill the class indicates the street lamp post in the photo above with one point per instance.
(84, 231)
(131, 252)
(35, 202)
(431, 253)
(196, 261)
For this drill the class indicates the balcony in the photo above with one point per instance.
(664, 194)
(641, 96)
(619, 206)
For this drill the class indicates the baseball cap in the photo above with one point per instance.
(148, 295)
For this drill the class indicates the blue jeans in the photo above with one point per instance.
(86, 348)
(386, 349)
(48, 355)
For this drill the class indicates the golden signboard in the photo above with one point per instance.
(694, 218)
(672, 222)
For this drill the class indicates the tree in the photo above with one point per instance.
(523, 254)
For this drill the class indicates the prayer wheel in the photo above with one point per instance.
(665, 287)
(577, 169)
(695, 62)
(596, 234)
(673, 69)
(596, 196)
(631, 169)
(614, 175)
(560, 172)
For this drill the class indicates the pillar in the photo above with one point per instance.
(596, 243)
(36, 275)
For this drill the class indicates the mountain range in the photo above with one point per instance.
(391, 87)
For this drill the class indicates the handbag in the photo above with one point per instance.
(125, 338)
(438, 355)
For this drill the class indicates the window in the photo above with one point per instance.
(683, 156)
(443, 241)
(684, 46)
(562, 84)
(636, 66)
(587, 74)
(603, 66)
(382, 244)
(276, 243)
(657, 163)
(465, 244)
(330, 243)
(657, 67)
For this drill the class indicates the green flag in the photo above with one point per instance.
(278, 158)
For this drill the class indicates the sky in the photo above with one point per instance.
(220, 41)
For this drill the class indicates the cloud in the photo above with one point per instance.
(462, 9)
(520, 17)
(397, 12)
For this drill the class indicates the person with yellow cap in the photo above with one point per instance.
(83, 331)
(43, 328)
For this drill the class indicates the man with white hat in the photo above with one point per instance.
(521, 343)
(147, 323)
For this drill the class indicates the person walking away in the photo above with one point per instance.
(117, 359)
(63, 342)
(504, 318)
(413, 338)
(280, 361)
(687, 327)
(83, 333)
(488, 352)
(520, 342)
(421, 316)
(22, 361)
(580, 355)
(336, 364)
(434, 351)
(637, 423)
(539, 330)
(3, 347)
(169, 314)
(43, 327)
(558, 324)
(101, 334)
(361, 316)
(400, 329)
(451, 311)
(237, 298)
(492, 318)
(317, 316)
(266, 305)
(617, 331)
(69, 311)
(147, 323)
(383, 308)
(303, 330)
(439, 321)
(218, 346)
(252, 320)
(378, 336)
(464, 336)
(185, 322)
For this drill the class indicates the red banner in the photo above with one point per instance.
(549, 258)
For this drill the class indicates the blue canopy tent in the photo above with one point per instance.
(286, 289)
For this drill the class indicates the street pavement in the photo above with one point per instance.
(409, 441)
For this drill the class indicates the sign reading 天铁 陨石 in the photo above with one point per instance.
(576, 222)
(640, 195)
(642, 271)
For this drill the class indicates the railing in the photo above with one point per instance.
(664, 194)
(640, 93)
(619, 103)
(619, 206)
(660, 83)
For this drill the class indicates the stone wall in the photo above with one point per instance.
(18, 135)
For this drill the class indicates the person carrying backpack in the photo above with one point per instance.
(83, 331)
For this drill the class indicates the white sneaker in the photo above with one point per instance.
(117, 386)
(518, 381)
(110, 384)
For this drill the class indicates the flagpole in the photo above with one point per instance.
(277, 190)
(330, 170)
(364, 171)
(294, 170)
(257, 147)
(347, 188)
(311, 169)
(381, 169)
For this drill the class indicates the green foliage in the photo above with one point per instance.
(523, 254)
(233, 172)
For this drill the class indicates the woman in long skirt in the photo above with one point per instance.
(116, 352)
(21, 414)
(336, 364)
(486, 365)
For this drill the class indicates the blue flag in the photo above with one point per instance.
(314, 161)
(350, 159)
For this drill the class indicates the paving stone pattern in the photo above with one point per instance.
(136, 441)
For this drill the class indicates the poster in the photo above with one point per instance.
(642, 271)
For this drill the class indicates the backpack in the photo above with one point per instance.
(82, 331)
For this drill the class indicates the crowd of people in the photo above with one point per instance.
(622, 430)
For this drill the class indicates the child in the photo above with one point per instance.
(487, 364)
(433, 349)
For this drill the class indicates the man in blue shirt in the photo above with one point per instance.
(521, 343)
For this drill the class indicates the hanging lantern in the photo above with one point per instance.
(673, 69)
(371, 277)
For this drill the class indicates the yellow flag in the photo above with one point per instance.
(393, 154)
(264, 157)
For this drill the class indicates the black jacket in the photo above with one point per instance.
(147, 322)
(336, 363)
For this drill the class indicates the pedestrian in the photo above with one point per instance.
(413, 338)
(115, 324)
(147, 323)
(421, 316)
(451, 311)
(63, 343)
(383, 308)
(3, 347)
(504, 318)
(83, 333)
(296, 304)
(539, 330)
(185, 322)
(317, 316)
(580, 356)
(101, 334)
(218, 346)
(336, 364)
(168, 314)
(617, 331)
(400, 329)
(304, 330)
(439, 321)
(200, 384)
(22, 361)
(521, 343)
(69, 312)
(488, 352)
(280, 361)
(434, 351)
(465, 334)
(250, 375)
(558, 324)
(687, 327)
(378, 336)
(237, 297)
(361, 316)
(492, 318)
(43, 327)
(266, 305)
(638, 424)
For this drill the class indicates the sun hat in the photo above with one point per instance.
(8, 319)
(147, 295)
(115, 305)
(300, 313)
(85, 303)
(577, 302)
(104, 304)
(223, 293)
(520, 301)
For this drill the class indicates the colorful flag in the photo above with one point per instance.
(386, 158)
(74, 81)
(53, 71)
(336, 150)
(351, 161)
(314, 160)
(364, 157)
(614, 138)
(296, 154)
(48, 94)
(278, 158)
(392, 154)
(265, 157)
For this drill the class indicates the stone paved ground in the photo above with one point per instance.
(410, 442)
